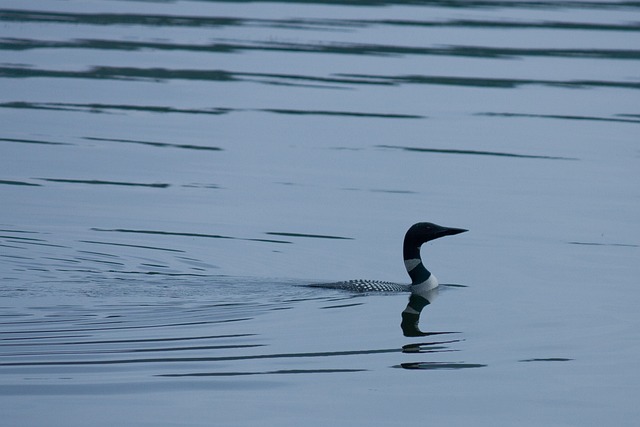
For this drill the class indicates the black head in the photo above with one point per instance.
(423, 232)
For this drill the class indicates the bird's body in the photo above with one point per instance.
(361, 285)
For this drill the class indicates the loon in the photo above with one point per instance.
(424, 285)
(422, 281)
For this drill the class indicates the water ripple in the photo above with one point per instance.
(32, 141)
(335, 80)
(473, 152)
(566, 117)
(163, 20)
(156, 144)
(106, 108)
(343, 48)
(100, 182)
(312, 236)
(187, 234)
(10, 182)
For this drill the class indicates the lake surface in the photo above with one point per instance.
(172, 173)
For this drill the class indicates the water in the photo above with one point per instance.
(172, 173)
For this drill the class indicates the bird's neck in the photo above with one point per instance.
(413, 263)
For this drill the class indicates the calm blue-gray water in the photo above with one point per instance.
(172, 173)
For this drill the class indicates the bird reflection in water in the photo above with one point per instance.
(411, 314)
(410, 328)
